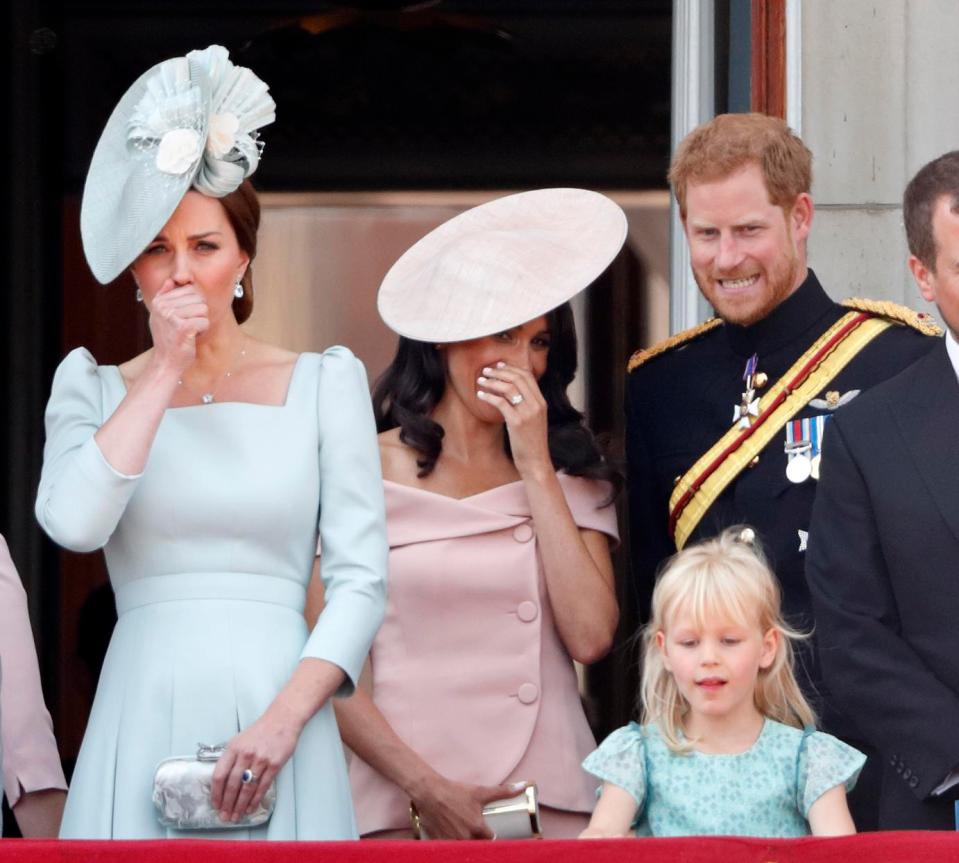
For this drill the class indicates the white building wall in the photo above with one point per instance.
(880, 98)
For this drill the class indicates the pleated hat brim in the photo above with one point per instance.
(501, 264)
(126, 199)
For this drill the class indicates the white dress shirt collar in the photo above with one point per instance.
(952, 348)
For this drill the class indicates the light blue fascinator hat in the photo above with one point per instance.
(189, 122)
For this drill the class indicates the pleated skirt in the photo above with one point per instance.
(194, 659)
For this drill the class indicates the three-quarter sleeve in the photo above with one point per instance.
(81, 497)
(352, 519)
(29, 752)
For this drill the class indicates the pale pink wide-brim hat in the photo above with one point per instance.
(501, 264)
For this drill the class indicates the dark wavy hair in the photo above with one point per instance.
(408, 391)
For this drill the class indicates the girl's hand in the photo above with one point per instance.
(177, 315)
(597, 833)
(454, 810)
(613, 816)
(516, 394)
(263, 749)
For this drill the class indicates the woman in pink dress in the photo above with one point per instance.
(499, 524)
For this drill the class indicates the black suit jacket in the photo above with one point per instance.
(883, 570)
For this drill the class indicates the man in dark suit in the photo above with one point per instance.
(708, 442)
(883, 558)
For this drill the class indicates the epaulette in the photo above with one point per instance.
(921, 321)
(674, 341)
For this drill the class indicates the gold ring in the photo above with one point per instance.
(415, 822)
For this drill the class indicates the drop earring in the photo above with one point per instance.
(139, 295)
(238, 289)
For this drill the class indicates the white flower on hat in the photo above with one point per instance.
(221, 134)
(188, 122)
(178, 151)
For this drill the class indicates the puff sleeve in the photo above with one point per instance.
(81, 497)
(29, 752)
(352, 519)
(825, 762)
(621, 760)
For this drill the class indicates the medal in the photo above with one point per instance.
(746, 410)
(803, 444)
(798, 468)
(748, 407)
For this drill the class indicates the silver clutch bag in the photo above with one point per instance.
(510, 818)
(181, 794)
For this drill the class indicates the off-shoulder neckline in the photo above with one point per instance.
(561, 475)
(280, 406)
(437, 494)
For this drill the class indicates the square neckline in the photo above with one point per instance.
(286, 398)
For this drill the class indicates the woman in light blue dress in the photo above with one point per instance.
(205, 468)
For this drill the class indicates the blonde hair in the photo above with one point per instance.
(728, 577)
(729, 142)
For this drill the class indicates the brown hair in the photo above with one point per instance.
(728, 142)
(243, 210)
(939, 177)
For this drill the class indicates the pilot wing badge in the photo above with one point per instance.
(834, 399)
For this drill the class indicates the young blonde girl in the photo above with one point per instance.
(727, 743)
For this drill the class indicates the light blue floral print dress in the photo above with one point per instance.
(765, 791)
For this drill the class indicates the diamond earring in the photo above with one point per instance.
(238, 289)
(139, 295)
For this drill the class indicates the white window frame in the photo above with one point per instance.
(693, 102)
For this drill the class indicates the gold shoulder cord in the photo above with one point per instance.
(644, 354)
(921, 321)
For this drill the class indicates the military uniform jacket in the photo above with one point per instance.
(883, 561)
(680, 402)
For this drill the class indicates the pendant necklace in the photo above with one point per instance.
(209, 396)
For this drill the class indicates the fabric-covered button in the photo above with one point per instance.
(527, 611)
(528, 693)
(913, 781)
(523, 533)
